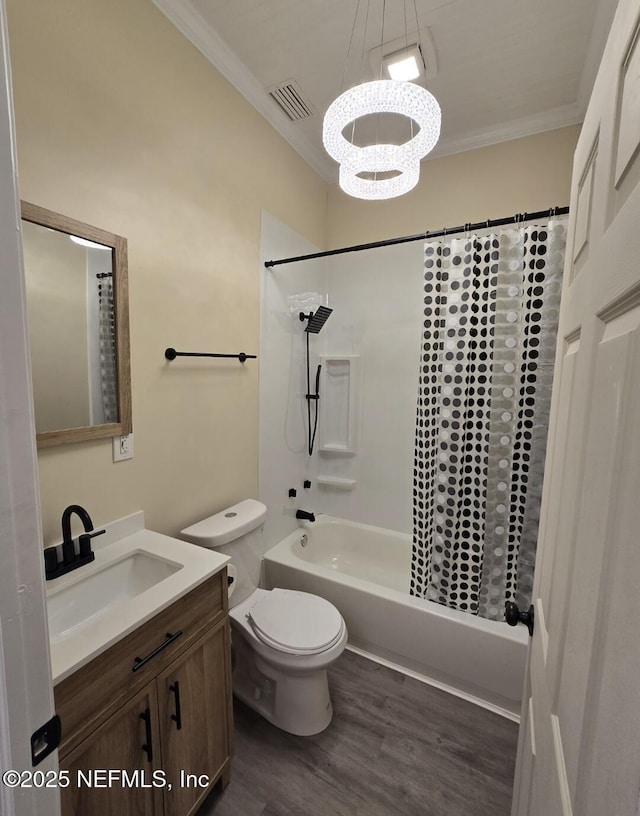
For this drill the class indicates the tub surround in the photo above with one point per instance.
(364, 572)
(185, 565)
(370, 356)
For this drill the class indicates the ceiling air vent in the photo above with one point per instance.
(291, 101)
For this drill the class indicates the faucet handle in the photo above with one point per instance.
(50, 562)
(85, 542)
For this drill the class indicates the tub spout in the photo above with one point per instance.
(302, 514)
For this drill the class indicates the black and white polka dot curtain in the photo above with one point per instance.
(108, 369)
(490, 320)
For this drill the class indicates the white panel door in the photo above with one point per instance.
(579, 747)
(26, 695)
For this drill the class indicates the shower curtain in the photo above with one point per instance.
(490, 321)
(107, 349)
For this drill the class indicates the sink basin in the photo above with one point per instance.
(137, 573)
(88, 598)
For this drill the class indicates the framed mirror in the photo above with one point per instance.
(78, 314)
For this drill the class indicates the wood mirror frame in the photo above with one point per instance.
(118, 244)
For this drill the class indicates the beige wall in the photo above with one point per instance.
(523, 175)
(56, 284)
(121, 123)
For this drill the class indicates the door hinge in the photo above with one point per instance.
(45, 740)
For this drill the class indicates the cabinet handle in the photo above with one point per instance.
(175, 688)
(147, 747)
(139, 662)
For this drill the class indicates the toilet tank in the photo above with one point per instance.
(237, 532)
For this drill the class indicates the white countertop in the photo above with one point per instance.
(82, 643)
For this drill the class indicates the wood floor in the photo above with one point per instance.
(395, 747)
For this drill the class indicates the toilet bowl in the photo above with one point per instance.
(283, 640)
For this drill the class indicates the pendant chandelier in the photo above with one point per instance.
(381, 171)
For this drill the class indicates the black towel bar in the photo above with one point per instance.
(171, 354)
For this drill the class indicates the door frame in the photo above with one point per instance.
(26, 692)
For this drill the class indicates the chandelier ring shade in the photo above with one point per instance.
(380, 158)
(383, 96)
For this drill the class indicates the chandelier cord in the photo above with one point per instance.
(406, 30)
(415, 11)
(346, 60)
(384, 8)
(406, 45)
(364, 40)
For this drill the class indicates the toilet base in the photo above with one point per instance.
(298, 703)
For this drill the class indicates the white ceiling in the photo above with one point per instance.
(502, 69)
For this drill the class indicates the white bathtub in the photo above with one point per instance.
(365, 572)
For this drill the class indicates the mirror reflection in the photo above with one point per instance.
(71, 329)
(77, 308)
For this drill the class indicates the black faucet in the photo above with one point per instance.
(52, 566)
(68, 547)
(302, 514)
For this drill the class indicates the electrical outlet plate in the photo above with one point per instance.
(122, 448)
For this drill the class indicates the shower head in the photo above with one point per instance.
(317, 320)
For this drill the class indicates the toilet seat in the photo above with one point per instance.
(296, 622)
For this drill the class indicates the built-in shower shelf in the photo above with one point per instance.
(339, 450)
(338, 482)
(338, 409)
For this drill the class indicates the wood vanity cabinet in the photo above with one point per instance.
(185, 698)
(115, 744)
(156, 719)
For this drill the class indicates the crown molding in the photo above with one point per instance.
(202, 35)
(561, 117)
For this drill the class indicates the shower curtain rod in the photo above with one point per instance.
(519, 218)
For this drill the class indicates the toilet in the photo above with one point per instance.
(283, 640)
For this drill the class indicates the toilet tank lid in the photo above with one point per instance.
(227, 525)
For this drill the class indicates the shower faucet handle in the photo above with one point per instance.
(514, 616)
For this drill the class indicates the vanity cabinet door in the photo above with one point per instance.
(194, 696)
(127, 743)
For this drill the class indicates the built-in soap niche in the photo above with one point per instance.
(338, 404)
(338, 421)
